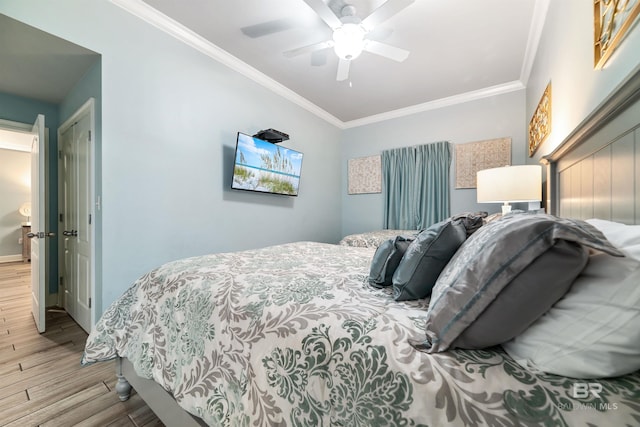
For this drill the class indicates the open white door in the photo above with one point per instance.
(75, 212)
(38, 224)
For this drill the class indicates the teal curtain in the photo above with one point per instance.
(433, 199)
(398, 171)
(416, 185)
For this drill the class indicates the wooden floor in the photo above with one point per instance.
(41, 380)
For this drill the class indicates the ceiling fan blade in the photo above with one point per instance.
(308, 49)
(386, 50)
(268, 27)
(384, 12)
(380, 33)
(325, 13)
(343, 69)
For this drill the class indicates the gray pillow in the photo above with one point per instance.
(472, 221)
(491, 259)
(386, 260)
(425, 258)
(527, 297)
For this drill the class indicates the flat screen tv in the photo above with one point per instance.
(265, 167)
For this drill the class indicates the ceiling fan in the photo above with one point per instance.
(351, 34)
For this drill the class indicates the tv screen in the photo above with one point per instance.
(265, 167)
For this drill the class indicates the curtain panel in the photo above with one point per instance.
(416, 185)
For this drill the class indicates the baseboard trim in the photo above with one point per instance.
(10, 258)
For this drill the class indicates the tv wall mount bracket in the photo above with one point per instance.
(271, 135)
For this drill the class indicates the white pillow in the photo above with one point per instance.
(594, 331)
(625, 237)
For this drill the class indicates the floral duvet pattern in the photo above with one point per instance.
(293, 335)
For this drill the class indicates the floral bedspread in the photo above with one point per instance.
(373, 239)
(293, 335)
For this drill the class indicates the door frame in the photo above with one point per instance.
(87, 108)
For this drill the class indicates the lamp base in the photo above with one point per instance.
(534, 206)
(506, 208)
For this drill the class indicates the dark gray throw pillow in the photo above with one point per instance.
(425, 258)
(472, 221)
(386, 260)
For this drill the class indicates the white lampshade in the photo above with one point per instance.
(25, 209)
(510, 184)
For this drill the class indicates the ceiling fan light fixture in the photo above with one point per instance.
(349, 41)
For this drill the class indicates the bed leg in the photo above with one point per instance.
(123, 388)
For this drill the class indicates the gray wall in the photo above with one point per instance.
(488, 118)
(565, 57)
(169, 119)
(15, 189)
(25, 110)
(170, 114)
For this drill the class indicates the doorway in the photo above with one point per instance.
(45, 74)
(32, 140)
(75, 234)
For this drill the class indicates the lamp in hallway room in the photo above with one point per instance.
(510, 184)
(25, 210)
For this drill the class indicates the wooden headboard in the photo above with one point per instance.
(595, 172)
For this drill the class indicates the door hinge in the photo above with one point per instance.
(89, 135)
(89, 219)
(61, 217)
(61, 281)
(89, 302)
(60, 154)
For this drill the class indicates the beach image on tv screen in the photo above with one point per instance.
(266, 167)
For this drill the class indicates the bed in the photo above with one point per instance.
(295, 335)
(373, 239)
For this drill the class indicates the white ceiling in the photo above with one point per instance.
(37, 65)
(459, 49)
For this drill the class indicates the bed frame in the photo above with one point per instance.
(594, 173)
(156, 397)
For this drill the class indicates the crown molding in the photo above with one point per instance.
(152, 16)
(540, 9)
(159, 20)
(439, 103)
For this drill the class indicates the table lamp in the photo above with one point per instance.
(510, 184)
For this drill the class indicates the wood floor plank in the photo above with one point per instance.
(41, 379)
(36, 418)
(31, 343)
(29, 360)
(123, 421)
(153, 423)
(8, 367)
(13, 400)
(61, 368)
(143, 416)
(100, 411)
(62, 386)
(50, 393)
